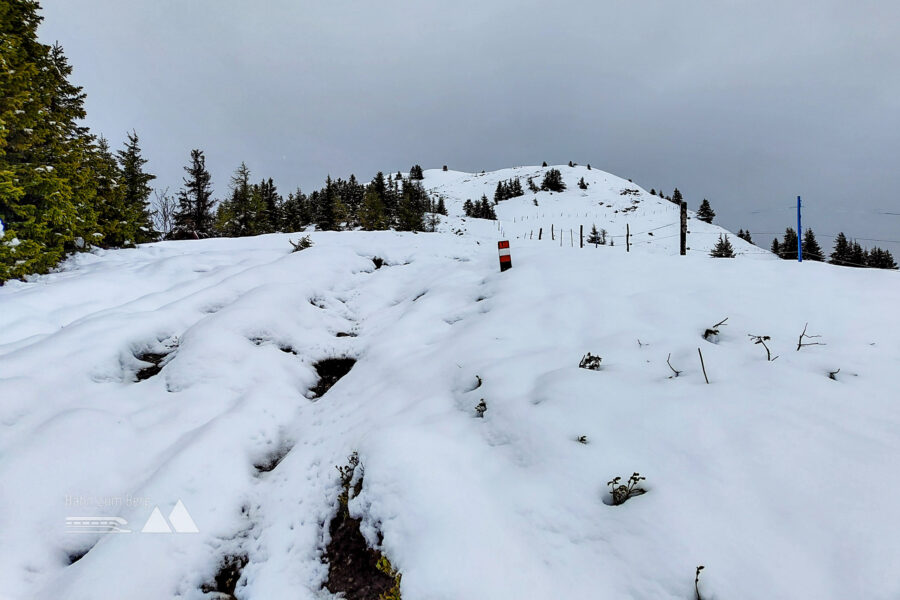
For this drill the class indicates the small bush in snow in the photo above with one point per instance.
(302, 244)
(480, 409)
(762, 339)
(623, 491)
(712, 334)
(582, 439)
(589, 361)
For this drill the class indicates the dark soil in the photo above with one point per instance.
(352, 564)
(154, 359)
(227, 577)
(330, 371)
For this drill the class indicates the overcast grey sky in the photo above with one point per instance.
(747, 103)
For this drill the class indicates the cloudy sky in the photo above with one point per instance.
(747, 103)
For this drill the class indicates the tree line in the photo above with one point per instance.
(62, 189)
(845, 253)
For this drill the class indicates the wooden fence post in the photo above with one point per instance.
(540, 232)
(581, 235)
(683, 228)
(627, 238)
(552, 232)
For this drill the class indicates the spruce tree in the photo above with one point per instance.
(705, 213)
(371, 214)
(411, 211)
(582, 184)
(271, 218)
(441, 209)
(811, 249)
(553, 181)
(594, 236)
(136, 190)
(723, 248)
(789, 245)
(109, 202)
(776, 248)
(842, 250)
(745, 235)
(194, 218)
(47, 183)
(880, 259)
(676, 197)
(858, 256)
(469, 208)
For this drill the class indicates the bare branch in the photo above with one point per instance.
(800, 343)
(674, 370)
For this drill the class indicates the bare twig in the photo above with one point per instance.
(800, 343)
(703, 366)
(674, 370)
(697, 582)
(713, 331)
(762, 339)
(832, 374)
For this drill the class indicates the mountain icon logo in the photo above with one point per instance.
(179, 521)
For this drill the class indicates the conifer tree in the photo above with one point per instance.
(582, 184)
(194, 218)
(109, 202)
(594, 237)
(441, 209)
(789, 245)
(136, 190)
(371, 214)
(469, 208)
(553, 181)
(705, 213)
(723, 248)
(858, 256)
(415, 172)
(776, 248)
(47, 184)
(411, 211)
(271, 218)
(811, 249)
(880, 259)
(745, 235)
(842, 250)
(677, 198)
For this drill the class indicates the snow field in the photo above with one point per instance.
(773, 476)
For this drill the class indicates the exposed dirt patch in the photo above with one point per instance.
(354, 569)
(227, 577)
(378, 262)
(157, 356)
(330, 371)
(75, 555)
(345, 334)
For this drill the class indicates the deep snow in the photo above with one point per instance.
(777, 478)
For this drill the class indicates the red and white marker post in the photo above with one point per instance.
(505, 258)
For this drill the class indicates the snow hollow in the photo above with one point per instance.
(171, 416)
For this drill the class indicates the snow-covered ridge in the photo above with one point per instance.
(609, 202)
(774, 475)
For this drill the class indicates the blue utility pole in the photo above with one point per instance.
(799, 234)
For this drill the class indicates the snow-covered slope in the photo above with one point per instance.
(774, 476)
(609, 202)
